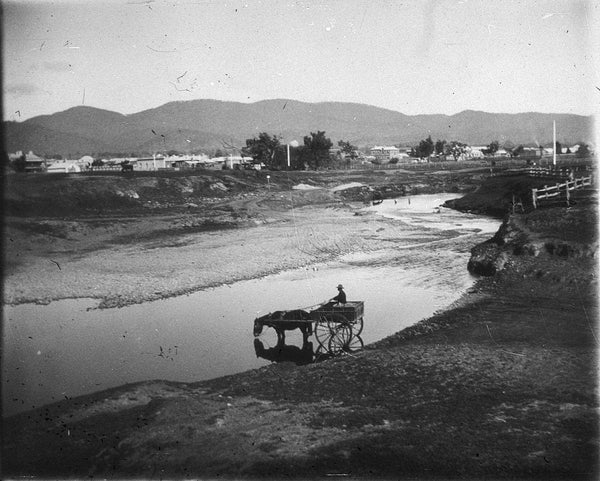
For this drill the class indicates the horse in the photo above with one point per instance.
(283, 321)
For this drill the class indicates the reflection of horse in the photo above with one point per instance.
(285, 321)
(282, 352)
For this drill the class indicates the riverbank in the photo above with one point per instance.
(502, 385)
(156, 238)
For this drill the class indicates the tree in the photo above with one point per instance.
(263, 149)
(583, 150)
(558, 148)
(317, 148)
(19, 164)
(348, 149)
(518, 151)
(493, 147)
(424, 149)
(440, 146)
(456, 149)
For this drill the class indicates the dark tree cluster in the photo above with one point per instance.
(427, 148)
(269, 150)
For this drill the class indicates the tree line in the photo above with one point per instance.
(442, 148)
(313, 154)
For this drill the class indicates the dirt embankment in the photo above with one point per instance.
(502, 385)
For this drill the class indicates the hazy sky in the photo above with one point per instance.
(411, 56)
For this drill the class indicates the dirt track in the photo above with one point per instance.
(502, 385)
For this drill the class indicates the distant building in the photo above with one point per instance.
(383, 154)
(69, 165)
(64, 167)
(530, 152)
(34, 163)
(501, 153)
(476, 151)
(155, 162)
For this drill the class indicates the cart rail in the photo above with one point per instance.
(351, 311)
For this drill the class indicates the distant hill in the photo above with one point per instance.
(210, 124)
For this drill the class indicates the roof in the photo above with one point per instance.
(31, 157)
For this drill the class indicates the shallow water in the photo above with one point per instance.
(64, 350)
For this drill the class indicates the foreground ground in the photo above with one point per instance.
(502, 385)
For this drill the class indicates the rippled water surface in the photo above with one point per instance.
(64, 350)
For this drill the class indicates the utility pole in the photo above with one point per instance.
(554, 146)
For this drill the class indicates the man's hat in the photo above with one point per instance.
(340, 286)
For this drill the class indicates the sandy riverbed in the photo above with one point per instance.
(148, 267)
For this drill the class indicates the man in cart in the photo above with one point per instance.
(340, 298)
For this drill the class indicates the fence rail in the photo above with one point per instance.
(549, 192)
(563, 173)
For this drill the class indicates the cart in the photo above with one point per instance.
(338, 327)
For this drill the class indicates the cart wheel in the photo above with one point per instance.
(340, 338)
(344, 342)
(322, 331)
(357, 326)
(356, 344)
(321, 354)
(325, 327)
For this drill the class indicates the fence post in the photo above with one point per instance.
(568, 194)
(534, 197)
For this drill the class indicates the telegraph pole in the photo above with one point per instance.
(554, 146)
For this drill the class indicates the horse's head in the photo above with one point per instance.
(258, 327)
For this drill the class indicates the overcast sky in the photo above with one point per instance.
(413, 56)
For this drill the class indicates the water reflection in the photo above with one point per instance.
(307, 354)
(283, 352)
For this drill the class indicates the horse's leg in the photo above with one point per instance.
(280, 335)
(305, 333)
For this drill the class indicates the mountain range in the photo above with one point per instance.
(207, 125)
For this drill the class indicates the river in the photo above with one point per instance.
(67, 348)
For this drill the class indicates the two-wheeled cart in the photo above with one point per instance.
(337, 327)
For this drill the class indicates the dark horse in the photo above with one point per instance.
(284, 321)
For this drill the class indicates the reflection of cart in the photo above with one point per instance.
(336, 326)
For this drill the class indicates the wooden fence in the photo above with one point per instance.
(557, 190)
(560, 172)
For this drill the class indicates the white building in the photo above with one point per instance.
(385, 153)
(65, 167)
(155, 162)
